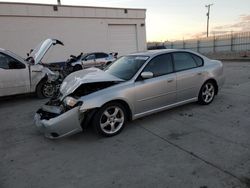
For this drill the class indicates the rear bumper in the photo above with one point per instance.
(62, 125)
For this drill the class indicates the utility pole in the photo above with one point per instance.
(208, 15)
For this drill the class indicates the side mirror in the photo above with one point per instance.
(147, 75)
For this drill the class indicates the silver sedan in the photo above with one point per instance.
(134, 86)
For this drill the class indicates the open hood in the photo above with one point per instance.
(38, 53)
(91, 75)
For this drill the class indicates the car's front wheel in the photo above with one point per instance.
(207, 93)
(45, 89)
(110, 119)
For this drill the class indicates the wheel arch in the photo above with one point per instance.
(43, 79)
(215, 84)
(125, 104)
(91, 112)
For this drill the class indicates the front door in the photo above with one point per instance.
(14, 76)
(158, 91)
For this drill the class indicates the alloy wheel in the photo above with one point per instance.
(208, 92)
(48, 90)
(112, 120)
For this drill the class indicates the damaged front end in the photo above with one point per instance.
(57, 119)
(61, 116)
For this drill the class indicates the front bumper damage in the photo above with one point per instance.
(54, 124)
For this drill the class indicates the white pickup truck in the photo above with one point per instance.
(19, 75)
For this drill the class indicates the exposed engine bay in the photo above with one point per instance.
(67, 112)
(55, 106)
(89, 88)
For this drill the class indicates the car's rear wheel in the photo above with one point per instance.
(110, 119)
(207, 93)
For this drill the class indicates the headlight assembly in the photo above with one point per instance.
(70, 101)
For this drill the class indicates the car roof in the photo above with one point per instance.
(95, 53)
(1, 49)
(152, 53)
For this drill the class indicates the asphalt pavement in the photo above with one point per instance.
(189, 146)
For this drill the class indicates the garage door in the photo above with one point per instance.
(122, 39)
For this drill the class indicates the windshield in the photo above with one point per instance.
(126, 67)
(15, 55)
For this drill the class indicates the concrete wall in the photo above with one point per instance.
(82, 29)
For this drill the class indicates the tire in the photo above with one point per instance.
(207, 93)
(44, 89)
(110, 119)
(77, 68)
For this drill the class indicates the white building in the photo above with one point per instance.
(80, 28)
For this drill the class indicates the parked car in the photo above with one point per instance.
(134, 86)
(156, 47)
(95, 59)
(19, 75)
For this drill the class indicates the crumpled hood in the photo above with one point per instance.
(91, 75)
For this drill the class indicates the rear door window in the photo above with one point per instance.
(198, 60)
(183, 61)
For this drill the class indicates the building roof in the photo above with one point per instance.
(54, 10)
(74, 6)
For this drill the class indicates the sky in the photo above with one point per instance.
(169, 20)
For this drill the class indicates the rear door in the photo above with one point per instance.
(89, 61)
(190, 75)
(158, 91)
(101, 59)
(14, 76)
